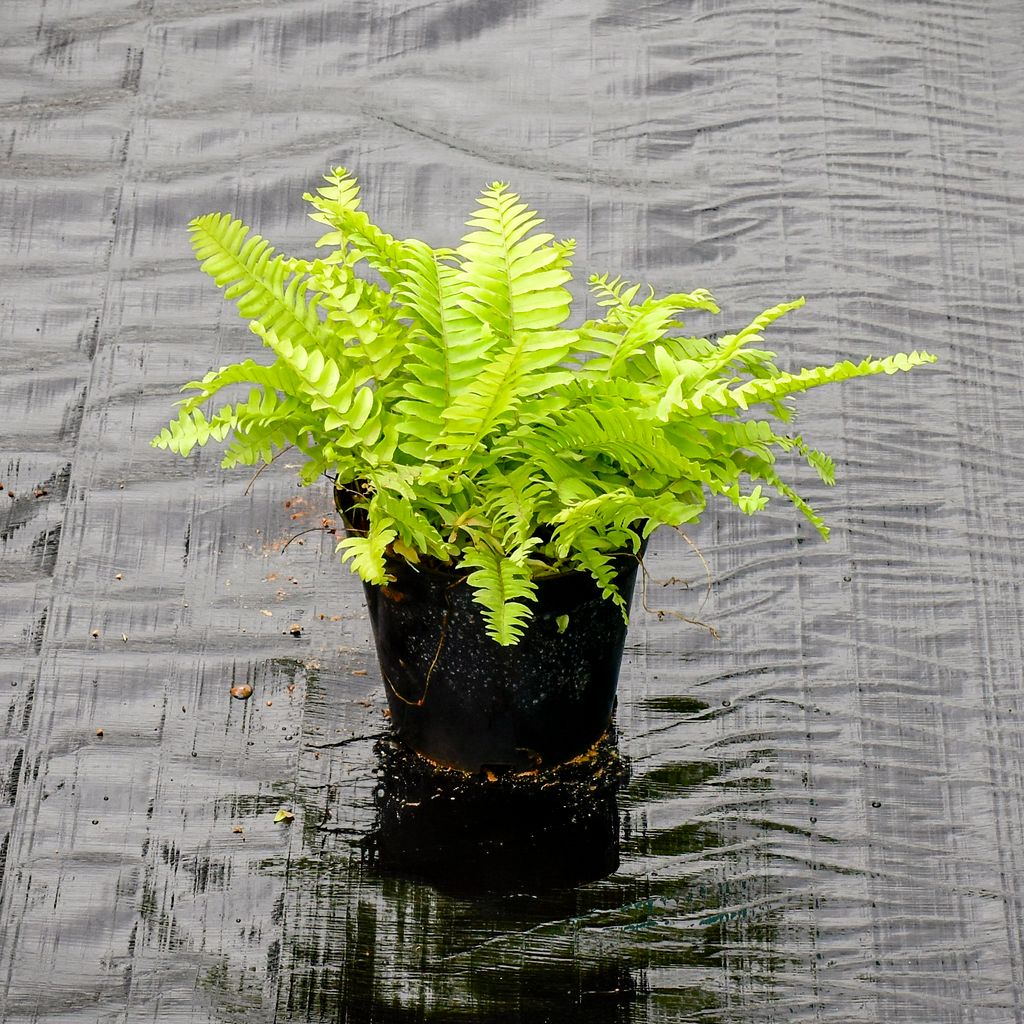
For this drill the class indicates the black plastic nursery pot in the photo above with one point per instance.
(463, 701)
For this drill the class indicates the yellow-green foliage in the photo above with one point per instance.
(489, 435)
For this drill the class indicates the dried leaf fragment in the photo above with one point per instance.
(283, 815)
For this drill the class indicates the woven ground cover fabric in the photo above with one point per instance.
(825, 815)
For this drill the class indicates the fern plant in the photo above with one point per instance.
(486, 435)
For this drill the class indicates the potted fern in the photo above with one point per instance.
(499, 472)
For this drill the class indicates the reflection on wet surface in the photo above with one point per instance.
(495, 833)
(447, 939)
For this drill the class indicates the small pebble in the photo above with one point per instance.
(243, 692)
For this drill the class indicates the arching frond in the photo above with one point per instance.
(718, 397)
(502, 584)
(514, 280)
(264, 287)
(337, 205)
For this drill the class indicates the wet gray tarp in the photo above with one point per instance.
(825, 820)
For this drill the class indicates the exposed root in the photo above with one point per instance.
(430, 671)
(662, 612)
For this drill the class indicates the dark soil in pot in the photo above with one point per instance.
(463, 701)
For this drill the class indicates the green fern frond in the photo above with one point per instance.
(589, 555)
(748, 503)
(367, 553)
(328, 386)
(189, 430)
(353, 307)
(450, 349)
(514, 280)
(414, 529)
(259, 424)
(627, 440)
(337, 205)
(759, 469)
(627, 330)
(821, 463)
(614, 292)
(758, 437)
(262, 285)
(620, 510)
(522, 367)
(731, 346)
(264, 425)
(718, 397)
(502, 583)
(277, 377)
(517, 503)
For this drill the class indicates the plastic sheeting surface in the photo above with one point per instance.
(825, 820)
